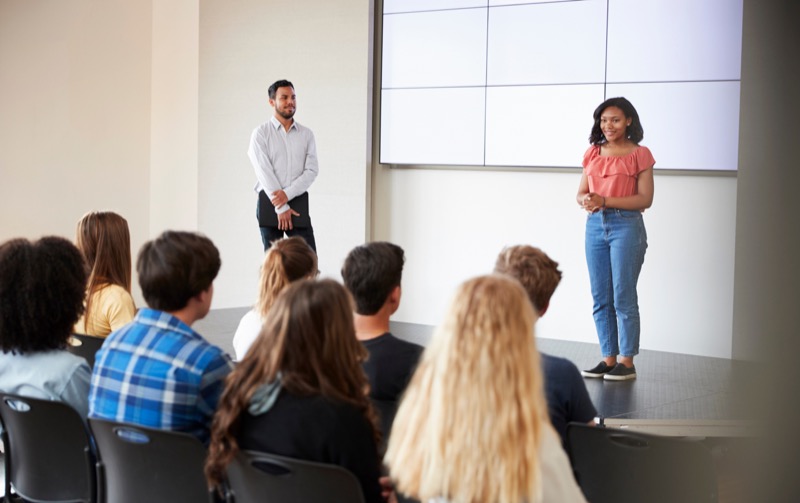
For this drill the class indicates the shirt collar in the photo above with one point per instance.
(164, 321)
(276, 124)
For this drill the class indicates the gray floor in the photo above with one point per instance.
(673, 394)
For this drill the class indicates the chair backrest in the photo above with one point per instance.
(143, 464)
(257, 477)
(610, 462)
(85, 346)
(47, 450)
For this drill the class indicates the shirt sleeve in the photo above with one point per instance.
(265, 171)
(212, 383)
(644, 159)
(581, 408)
(356, 451)
(76, 390)
(590, 154)
(120, 311)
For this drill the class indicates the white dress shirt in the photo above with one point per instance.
(283, 160)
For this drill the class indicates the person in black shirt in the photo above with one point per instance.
(567, 398)
(372, 273)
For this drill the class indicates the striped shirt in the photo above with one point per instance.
(159, 373)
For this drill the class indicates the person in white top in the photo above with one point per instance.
(284, 156)
(286, 261)
(473, 423)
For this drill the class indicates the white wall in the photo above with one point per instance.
(324, 49)
(74, 115)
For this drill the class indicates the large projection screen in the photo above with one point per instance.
(514, 83)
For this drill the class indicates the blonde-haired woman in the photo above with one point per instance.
(473, 425)
(287, 260)
(300, 391)
(105, 243)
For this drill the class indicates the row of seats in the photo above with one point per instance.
(50, 456)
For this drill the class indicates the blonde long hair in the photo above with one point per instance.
(469, 425)
(287, 260)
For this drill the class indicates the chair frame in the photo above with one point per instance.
(300, 481)
(611, 463)
(133, 459)
(85, 346)
(47, 451)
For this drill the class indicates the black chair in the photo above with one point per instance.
(48, 454)
(257, 477)
(610, 464)
(85, 346)
(143, 464)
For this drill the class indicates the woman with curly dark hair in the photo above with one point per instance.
(42, 285)
(616, 187)
(300, 391)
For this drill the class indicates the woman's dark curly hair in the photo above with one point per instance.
(634, 132)
(42, 285)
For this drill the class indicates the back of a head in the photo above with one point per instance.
(309, 338)
(477, 390)
(370, 272)
(175, 267)
(287, 260)
(42, 285)
(104, 240)
(538, 273)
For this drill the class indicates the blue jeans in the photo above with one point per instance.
(616, 241)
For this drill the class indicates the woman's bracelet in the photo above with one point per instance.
(604, 201)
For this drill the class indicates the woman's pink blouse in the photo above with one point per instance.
(615, 176)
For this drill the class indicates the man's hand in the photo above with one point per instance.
(278, 198)
(285, 220)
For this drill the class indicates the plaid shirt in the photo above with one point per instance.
(159, 373)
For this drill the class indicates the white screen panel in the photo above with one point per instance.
(687, 125)
(500, 3)
(539, 125)
(553, 43)
(434, 49)
(432, 126)
(394, 6)
(669, 40)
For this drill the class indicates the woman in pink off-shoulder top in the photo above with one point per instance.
(615, 189)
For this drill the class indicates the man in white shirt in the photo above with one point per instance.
(284, 156)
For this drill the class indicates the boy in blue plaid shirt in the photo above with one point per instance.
(156, 371)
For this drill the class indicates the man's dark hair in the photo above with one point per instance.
(370, 272)
(175, 267)
(273, 89)
(42, 285)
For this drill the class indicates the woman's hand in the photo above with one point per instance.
(593, 202)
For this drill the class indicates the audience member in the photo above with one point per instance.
(42, 285)
(567, 398)
(300, 390)
(287, 260)
(372, 273)
(156, 371)
(472, 425)
(104, 240)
